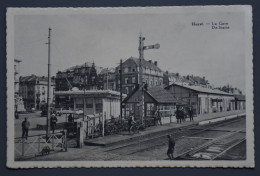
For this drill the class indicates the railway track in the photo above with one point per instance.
(145, 144)
(215, 148)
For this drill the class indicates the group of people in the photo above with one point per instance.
(181, 116)
(26, 125)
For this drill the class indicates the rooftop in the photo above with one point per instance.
(146, 64)
(202, 89)
(162, 95)
(88, 92)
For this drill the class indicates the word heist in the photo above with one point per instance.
(214, 25)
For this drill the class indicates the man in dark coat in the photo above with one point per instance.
(191, 114)
(171, 146)
(178, 115)
(53, 122)
(25, 127)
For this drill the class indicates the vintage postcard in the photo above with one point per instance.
(130, 87)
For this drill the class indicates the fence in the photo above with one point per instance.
(93, 125)
(37, 145)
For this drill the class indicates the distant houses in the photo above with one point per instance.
(33, 90)
(164, 90)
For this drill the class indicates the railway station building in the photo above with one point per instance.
(154, 98)
(203, 100)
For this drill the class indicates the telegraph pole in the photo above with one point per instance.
(49, 86)
(84, 102)
(140, 79)
(121, 91)
(107, 78)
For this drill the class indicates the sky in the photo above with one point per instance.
(104, 39)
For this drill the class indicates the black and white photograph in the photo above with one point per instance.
(130, 87)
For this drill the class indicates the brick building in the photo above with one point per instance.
(152, 75)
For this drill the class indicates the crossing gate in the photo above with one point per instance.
(92, 124)
(39, 145)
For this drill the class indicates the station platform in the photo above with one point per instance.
(161, 130)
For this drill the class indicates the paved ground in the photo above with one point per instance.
(34, 119)
(98, 153)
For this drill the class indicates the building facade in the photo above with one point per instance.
(33, 90)
(107, 78)
(82, 77)
(203, 100)
(176, 78)
(152, 75)
(155, 98)
(106, 102)
(19, 104)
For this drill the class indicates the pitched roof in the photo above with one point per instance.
(162, 95)
(203, 89)
(34, 78)
(87, 64)
(107, 70)
(146, 64)
(198, 79)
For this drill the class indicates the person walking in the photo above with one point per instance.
(171, 146)
(191, 114)
(25, 128)
(53, 122)
(131, 122)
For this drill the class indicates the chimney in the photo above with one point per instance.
(155, 63)
(177, 74)
(204, 78)
(150, 61)
(167, 72)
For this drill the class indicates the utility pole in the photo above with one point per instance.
(107, 78)
(84, 102)
(121, 91)
(49, 86)
(140, 79)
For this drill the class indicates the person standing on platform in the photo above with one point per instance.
(53, 122)
(191, 114)
(25, 127)
(171, 146)
(159, 117)
(177, 114)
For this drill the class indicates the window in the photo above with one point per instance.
(133, 69)
(156, 83)
(151, 82)
(133, 79)
(99, 106)
(129, 69)
(146, 81)
(126, 69)
(126, 80)
(126, 90)
(89, 103)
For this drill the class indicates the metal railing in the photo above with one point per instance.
(37, 145)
